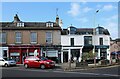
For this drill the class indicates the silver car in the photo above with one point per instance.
(7, 62)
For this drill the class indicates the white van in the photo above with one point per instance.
(7, 62)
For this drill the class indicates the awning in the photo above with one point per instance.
(113, 53)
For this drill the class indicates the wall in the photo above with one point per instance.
(41, 36)
(78, 40)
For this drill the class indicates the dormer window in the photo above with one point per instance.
(20, 24)
(49, 24)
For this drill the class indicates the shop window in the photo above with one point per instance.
(5, 53)
(31, 54)
(15, 56)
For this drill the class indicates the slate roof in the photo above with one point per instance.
(28, 26)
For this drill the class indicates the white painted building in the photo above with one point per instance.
(76, 41)
(3, 52)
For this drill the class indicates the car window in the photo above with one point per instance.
(43, 58)
(8, 59)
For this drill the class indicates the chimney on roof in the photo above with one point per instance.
(57, 20)
(16, 18)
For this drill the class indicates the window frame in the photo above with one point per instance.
(19, 37)
(72, 41)
(87, 41)
(49, 38)
(49, 24)
(101, 41)
(33, 39)
(3, 37)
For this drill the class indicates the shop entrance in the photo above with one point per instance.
(24, 55)
(65, 56)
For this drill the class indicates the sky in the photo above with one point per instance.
(79, 14)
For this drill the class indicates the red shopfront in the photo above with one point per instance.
(18, 53)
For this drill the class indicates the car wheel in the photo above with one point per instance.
(26, 65)
(42, 66)
(6, 65)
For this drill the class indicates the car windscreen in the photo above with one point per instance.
(43, 58)
(8, 59)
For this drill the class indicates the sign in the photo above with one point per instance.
(15, 54)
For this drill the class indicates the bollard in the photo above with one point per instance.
(69, 64)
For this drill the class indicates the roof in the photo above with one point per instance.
(81, 31)
(29, 25)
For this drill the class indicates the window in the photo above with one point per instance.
(49, 24)
(33, 37)
(18, 37)
(3, 37)
(101, 41)
(72, 41)
(21, 24)
(72, 30)
(87, 40)
(48, 37)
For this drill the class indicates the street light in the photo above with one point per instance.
(94, 37)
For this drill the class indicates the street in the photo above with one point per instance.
(20, 71)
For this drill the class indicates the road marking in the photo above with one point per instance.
(60, 71)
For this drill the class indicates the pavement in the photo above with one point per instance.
(90, 66)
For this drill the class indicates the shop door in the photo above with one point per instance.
(24, 55)
(65, 56)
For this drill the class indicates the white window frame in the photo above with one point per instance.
(33, 40)
(49, 38)
(20, 24)
(49, 24)
(18, 37)
(3, 37)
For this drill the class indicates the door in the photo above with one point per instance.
(24, 55)
(65, 56)
(35, 62)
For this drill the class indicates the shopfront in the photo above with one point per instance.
(52, 52)
(18, 53)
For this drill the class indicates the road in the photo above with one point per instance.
(112, 72)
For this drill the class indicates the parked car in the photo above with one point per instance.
(7, 62)
(40, 62)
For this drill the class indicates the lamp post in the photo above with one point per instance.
(94, 38)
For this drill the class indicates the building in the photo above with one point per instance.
(19, 39)
(78, 41)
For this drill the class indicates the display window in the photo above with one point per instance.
(15, 56)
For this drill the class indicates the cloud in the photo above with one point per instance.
(75, 8)
(112, 25)
(83, 19)
(108, 7)
(98, 6)
(86, 9)
(113, 29)
(112, 18)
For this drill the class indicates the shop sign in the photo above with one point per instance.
(14, 54)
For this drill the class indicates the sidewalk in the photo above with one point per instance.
(65, 67)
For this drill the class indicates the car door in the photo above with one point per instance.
(2, 62)
(35, 62)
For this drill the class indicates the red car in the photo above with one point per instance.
(41, 62)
